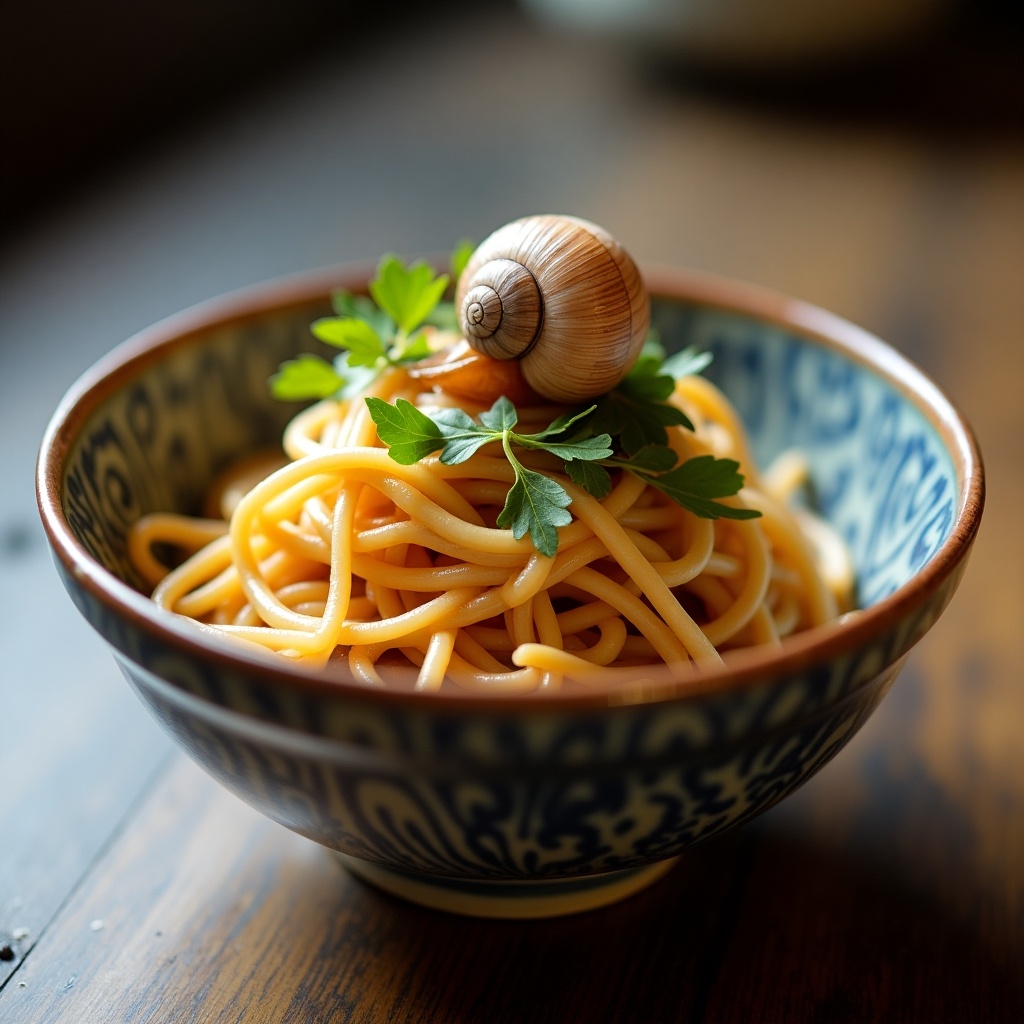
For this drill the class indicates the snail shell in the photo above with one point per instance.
(560, 295)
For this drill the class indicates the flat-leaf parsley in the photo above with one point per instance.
(373, 334)
(625, 429)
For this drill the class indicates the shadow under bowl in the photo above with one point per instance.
(549, 803)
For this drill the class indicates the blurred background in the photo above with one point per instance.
(864, 155)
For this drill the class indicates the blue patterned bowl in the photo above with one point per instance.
(543, 804)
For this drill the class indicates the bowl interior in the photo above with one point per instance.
(882, 471)
(170, 421)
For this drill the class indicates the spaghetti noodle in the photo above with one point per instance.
(343, 559)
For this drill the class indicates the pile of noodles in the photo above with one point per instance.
(398, 573)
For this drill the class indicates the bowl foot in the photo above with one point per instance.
(508, 899)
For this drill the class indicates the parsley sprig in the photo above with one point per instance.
(624, 430)
(638, 414)
(375, 332)
(536, 503)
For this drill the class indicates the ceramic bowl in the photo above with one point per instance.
(543, 804)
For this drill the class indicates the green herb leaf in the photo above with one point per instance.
(347, 304)
(536, 504)
(463, 436)
(687, 363)
(460, 257)
(409, 434)
(646, 380)
(635, 420)
(652, 346)
(501, 416)
(407, 295)
(594, 479)
(414, 347)
(357, 378)
(584, 448)
(305, 377)
(652, 458)
(373, 337)
(362, 307)
(561, 424)
(637, 411)
(453, 421)
(699, 481)
(364, 344)
(459, 449)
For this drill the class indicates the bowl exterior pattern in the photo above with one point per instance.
(701, 722)
(500, 796)
(882, 475)
(593, 795)
(157, 443)
(548, 792)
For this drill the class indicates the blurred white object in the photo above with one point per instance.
(740, 31)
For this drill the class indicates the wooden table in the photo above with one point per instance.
(891, 887)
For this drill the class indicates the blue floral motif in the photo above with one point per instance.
(505, 823)
(881, 473)
(539, 795)
(155, 445)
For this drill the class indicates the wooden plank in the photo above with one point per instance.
(891, 887)
(212, 913)
(871, 895)
(824, 909)
(76, 747)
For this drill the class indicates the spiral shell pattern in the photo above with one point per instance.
(562, 296)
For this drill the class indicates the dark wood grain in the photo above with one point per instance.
(211, 913)
(75, 755)
(266, 926)
(890, 888)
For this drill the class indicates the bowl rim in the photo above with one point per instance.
(743, 670)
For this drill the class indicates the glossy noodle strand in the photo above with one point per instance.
(347, 562)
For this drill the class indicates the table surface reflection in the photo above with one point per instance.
(891, 887)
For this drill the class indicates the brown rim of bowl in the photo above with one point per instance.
(743, 669)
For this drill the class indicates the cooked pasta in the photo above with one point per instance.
(343, 560)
